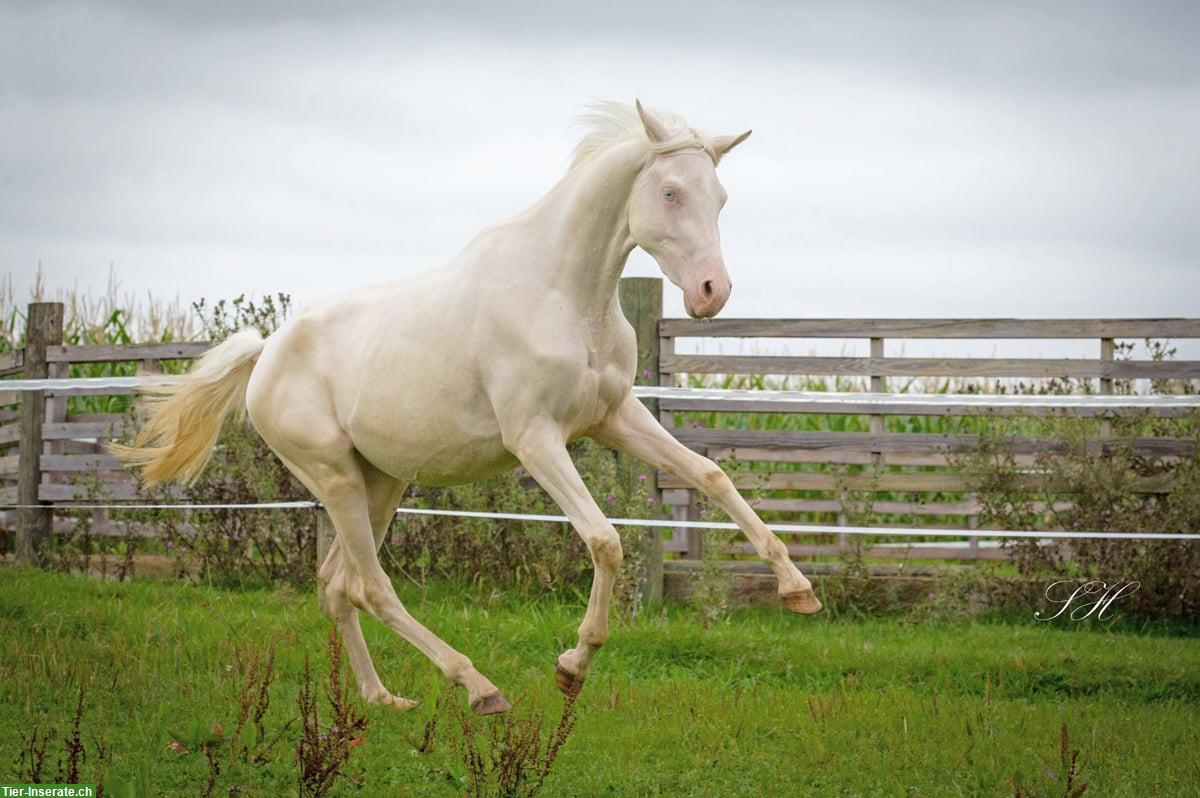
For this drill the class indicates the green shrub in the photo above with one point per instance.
(1074, 487)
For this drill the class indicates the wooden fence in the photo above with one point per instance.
(881, 470)
(821, 472)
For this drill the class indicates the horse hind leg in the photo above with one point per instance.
(343, 487)
(333, 583)
(383, 495)
(313, 445)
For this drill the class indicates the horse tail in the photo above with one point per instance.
(185, 419)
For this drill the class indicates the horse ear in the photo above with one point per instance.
(723, 144)
(655, 131)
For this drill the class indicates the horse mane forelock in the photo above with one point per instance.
(609, 123)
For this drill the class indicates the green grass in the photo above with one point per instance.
(764, 704)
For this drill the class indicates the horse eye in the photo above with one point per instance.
(669, 194)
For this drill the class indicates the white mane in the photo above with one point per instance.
(610, 123)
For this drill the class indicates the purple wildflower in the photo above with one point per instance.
(641, 477)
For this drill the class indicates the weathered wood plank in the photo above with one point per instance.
(881, 552)
(804, 550)
(12, 362)
(892, 552)
(968, 507)
(122, 491)
(920, 482)
(83, 429)
(881, 507)
(111, 353)
(931, 328)
(75, 463)
(842, 458)
(911, 442)
(749, 567)
(120, 529)
(807, 456)
(79, 447)
(931, 366)
(97, 418)
(932, 408)
(10, 434)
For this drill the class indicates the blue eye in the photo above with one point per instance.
(669, 194)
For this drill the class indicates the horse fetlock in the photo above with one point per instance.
(382, 698)
(593, 636)
(777, 552)
(459, 669)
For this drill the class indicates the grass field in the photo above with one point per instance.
(766, 703)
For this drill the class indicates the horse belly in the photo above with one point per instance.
(424, 444)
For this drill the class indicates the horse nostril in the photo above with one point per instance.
(707, 289)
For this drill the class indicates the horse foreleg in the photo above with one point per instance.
(544, 455)
(634, 429)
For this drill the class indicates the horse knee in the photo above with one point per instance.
(605, 548)
(714, 481)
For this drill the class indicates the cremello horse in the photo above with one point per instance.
(503, 356)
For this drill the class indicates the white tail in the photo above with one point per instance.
(185, 419)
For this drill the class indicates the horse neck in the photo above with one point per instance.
(587, 216)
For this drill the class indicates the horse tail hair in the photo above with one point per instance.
(184, 419)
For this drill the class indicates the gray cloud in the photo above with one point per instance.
(908, 159)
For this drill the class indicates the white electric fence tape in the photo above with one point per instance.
(867, 400)
(802, 529)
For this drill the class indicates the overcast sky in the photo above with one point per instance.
(908, 159)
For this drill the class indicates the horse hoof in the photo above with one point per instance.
(397, 702)
(568, 683)
(804, 602)
(402, 704)
(490, 704)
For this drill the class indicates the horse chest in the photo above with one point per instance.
(595, 389)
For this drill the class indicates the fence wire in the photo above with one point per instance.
(800, 529)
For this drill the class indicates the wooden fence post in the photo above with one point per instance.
(325, 536)
(44, 328)
(1108, 349)
(641, 300)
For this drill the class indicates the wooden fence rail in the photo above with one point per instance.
(822, 472)
(880, 445)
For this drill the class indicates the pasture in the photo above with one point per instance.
(763, 703)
